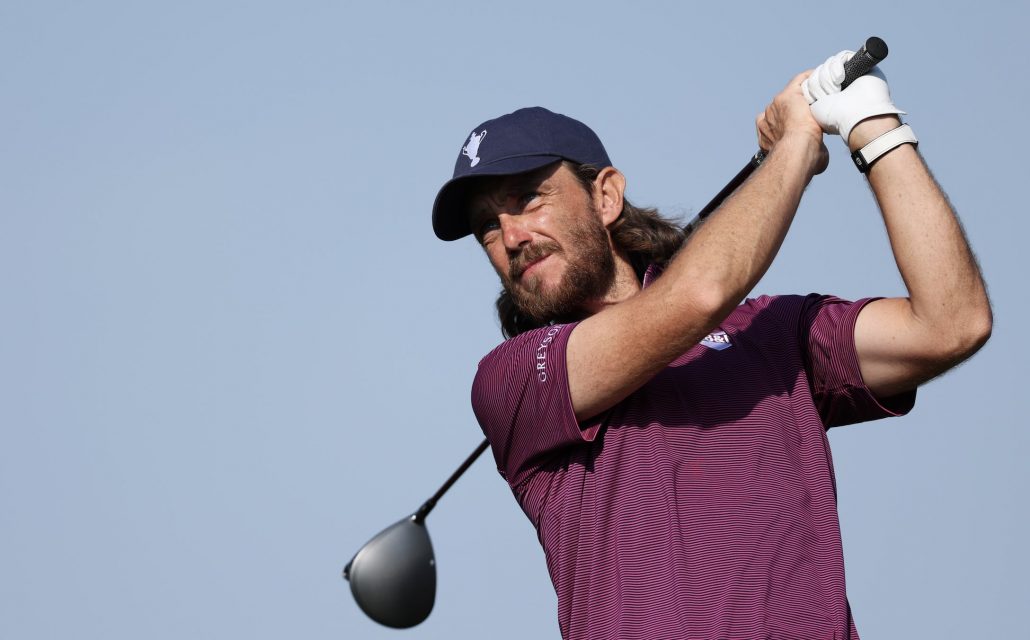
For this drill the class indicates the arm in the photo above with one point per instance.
(614, 352)
(903, 342)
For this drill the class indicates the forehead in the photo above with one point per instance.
(491, 188)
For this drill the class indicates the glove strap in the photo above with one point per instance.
(881, 145)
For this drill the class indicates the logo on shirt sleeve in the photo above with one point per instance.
(717, 340)
(541, 353)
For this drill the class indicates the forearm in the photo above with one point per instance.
(903, 342)
(725, 258)
(704, 282)
(946, 291)
(611, 353)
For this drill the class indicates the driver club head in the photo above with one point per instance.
(393, 577)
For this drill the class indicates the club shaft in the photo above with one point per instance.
(428, 505)
(730, 187)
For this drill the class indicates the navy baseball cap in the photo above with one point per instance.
(521, 141)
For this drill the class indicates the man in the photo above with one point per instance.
(667, 441)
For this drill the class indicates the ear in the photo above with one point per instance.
(609, 186)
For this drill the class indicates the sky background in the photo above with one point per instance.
(232, 349)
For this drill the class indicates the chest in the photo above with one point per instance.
(727, 376)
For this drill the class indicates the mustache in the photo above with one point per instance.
(528, 256)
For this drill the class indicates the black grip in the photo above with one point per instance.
(872, 53)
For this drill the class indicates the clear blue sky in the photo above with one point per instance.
(232, 350)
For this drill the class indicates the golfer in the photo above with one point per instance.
(665, 436)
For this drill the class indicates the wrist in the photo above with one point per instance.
(871, 128)
(882, 145)
(804, 146)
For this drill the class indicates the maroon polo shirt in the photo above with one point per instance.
(703, 505)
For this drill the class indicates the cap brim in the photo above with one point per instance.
(450, 219)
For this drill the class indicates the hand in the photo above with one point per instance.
(839, 111)
(789, 116)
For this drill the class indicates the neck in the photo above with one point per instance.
(625, 285)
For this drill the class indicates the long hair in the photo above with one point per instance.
(642, 234)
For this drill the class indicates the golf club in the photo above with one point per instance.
(393, 576)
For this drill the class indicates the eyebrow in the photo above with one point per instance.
(508, 186)
(525, 179)
(504, 186)
(536, 176)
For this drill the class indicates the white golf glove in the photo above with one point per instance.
(839, 111)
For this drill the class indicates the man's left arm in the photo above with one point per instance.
(903, 342)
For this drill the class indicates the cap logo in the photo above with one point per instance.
(472, 148)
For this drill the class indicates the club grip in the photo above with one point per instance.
(872, 53)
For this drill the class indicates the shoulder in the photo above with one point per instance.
(536, 355)
(793, 306)
(783, 310)
(520, 397)
(531, 343)
(803, 318)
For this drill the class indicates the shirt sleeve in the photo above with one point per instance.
(827, 337)
(521, 399)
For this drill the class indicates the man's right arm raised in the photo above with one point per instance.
(615, 351)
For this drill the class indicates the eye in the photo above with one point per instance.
(486, 227)
(527, 197)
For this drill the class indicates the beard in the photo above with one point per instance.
(589, 274)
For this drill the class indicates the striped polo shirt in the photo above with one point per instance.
(702, 506)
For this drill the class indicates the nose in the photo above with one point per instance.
(514, 231)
